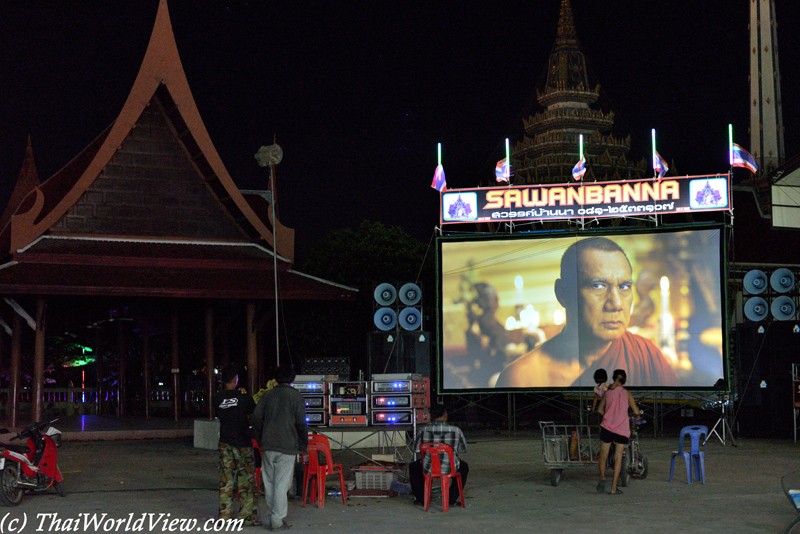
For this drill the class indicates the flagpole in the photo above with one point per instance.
(508, 181)
(730, 149)
(655, 172)
(508, 164)
(580, 157)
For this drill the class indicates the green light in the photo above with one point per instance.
(80, 362)
(653, 135)
(730, 144)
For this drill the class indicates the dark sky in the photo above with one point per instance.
(359, 92)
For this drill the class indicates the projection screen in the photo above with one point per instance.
(516, 312)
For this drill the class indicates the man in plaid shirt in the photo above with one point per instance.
(439, 431)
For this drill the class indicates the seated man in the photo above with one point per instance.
(439, 431)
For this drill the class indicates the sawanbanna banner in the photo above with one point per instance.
(593, 199)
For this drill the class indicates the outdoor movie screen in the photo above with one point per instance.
(546, 310)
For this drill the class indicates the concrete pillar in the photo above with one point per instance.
(176, 377)
(210, 359)
(99, 367)
(37, 389)
(146, 363)
(13, 385)
(121, 357)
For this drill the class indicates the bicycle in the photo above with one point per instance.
(634, 462)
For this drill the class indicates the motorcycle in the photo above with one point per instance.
(30, 467)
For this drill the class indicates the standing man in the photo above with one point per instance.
(439, 431)
(615, 428)
(236, 462)
(279, 423)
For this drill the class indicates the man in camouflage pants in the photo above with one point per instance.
(236, 462)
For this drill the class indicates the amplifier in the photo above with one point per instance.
(393, 386)
(314, 402)
(391, 401)
(360, 420)
(396, 376)
(401, 386)
(399, 417)
(310, 378)
(310, 387)
(316, 418)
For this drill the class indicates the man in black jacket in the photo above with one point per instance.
(236, 462)
(279, 423)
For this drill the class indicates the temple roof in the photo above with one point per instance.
(567, 76)
(148, 208)
(27, 181)
(549, 148)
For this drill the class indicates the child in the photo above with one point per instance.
(601, 378)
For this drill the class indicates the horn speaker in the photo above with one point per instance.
(385, 294)
(783, 308)
(385, 319)
(756, 309)
(755, 282)
(781, 280)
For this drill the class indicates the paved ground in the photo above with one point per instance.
(509, 489)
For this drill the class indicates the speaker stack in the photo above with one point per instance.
(766, 351)
(770, 296)
(399, 345)
(398, 308)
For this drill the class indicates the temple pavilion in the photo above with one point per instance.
(145, 240)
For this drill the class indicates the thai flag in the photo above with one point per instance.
(501, 171)
(742, 158)
(439, 183)
(579, 169)
(660, 166)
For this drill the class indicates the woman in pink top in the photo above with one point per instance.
(615, 428)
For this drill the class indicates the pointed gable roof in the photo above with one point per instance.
(27, 181)
(148, 209)
(162, 81)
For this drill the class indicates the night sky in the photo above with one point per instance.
(359, 93)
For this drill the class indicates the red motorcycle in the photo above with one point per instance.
(30, 467)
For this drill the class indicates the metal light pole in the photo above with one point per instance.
(270, 156)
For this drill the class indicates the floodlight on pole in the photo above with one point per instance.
(270, 156)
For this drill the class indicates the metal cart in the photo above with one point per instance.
(567, 447)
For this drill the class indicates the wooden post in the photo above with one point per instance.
(226, 347)
(252, 356)
(146, 363)
(13, 386)
(176, 382)
(99, 368)
(121, 353)
(210, 360)
(37, 389)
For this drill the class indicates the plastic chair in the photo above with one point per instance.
(317, 472)
(694, 456)
(435, 449)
